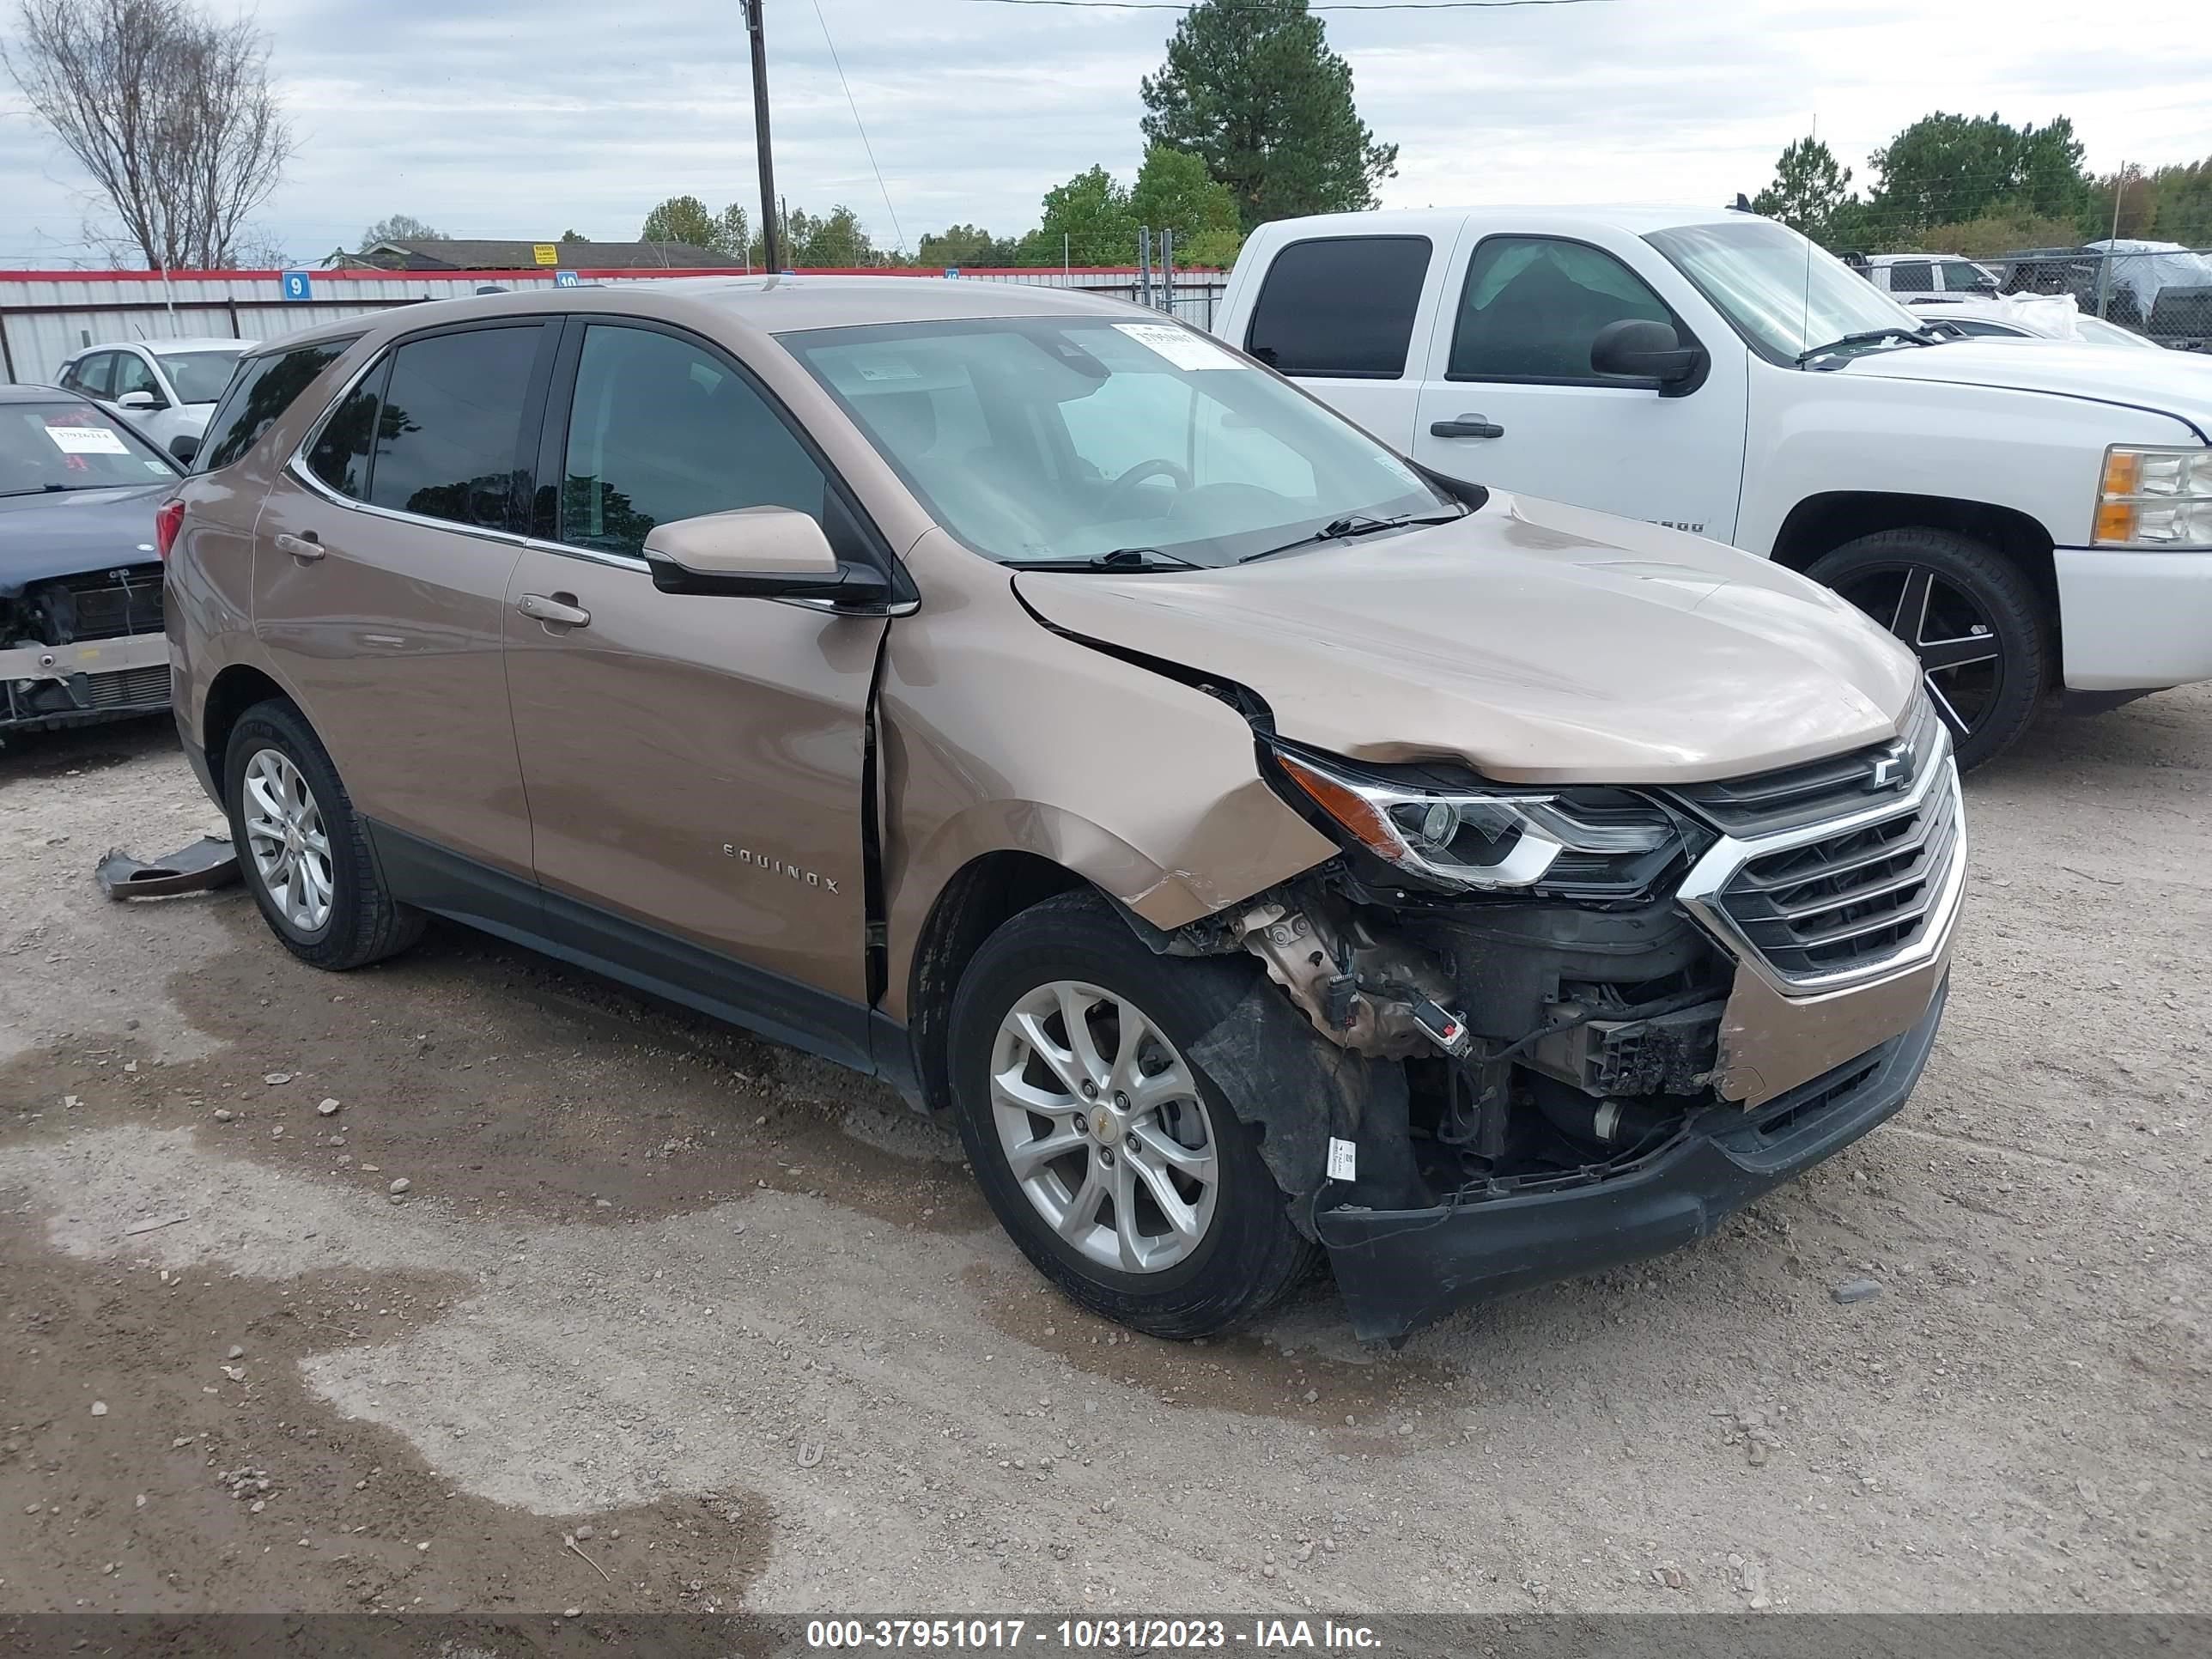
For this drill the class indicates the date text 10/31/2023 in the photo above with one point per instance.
(1081, 1635)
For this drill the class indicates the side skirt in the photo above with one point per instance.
(645, 959)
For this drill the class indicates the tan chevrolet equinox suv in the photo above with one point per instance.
(1260, 846)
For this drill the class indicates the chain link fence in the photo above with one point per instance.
(2165, 295)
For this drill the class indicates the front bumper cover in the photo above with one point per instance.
(1399, 1269)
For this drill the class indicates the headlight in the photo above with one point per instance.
(1593, 842)
(2154, 498)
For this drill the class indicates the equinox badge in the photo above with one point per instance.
(777, 866)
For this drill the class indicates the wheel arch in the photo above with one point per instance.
(981, 895)
(238, 688)
(1821, 524)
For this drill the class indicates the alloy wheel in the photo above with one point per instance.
(286, 838)
(1937, 620)
(1104, 1128)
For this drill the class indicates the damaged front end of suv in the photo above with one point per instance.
(1555, 1029)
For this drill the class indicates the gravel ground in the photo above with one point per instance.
(668, 1318)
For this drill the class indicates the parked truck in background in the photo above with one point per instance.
(2026, 516)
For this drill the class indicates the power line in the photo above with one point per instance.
(857, 122)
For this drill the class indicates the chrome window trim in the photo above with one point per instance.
(1700, 891)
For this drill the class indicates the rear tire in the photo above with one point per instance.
(1185, 1233)
(302, 848)
(1972, 616)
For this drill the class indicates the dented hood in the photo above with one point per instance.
(1539, 643)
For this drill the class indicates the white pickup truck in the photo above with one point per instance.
(2024, 514)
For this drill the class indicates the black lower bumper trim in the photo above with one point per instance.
(1399, 1269)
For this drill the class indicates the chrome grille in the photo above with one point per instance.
(1848, 901)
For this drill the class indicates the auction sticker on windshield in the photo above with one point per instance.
(1178, 345)
(87, 441)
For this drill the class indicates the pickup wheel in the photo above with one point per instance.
(1970, 615)
(303, 849)
(1116, 1163)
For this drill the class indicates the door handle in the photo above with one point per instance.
(558, 610)
(306, 548)
(1467, 426)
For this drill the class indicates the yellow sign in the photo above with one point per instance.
(545, 253)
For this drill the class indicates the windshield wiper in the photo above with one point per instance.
(1871, 336)
(1352, 525)
(1122, 558)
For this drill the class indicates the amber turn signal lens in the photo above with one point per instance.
(1354, 812)
(2123, 473)
(2115, 521)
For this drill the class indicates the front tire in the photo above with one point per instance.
(1115, 1162)
(1970, 615)
(303, 849)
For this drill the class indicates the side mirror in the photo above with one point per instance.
(141, 400)
(760, 552)
(184, 446)
(1634, 349)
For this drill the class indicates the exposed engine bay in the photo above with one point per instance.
(1493, 989)
(1477, 1043)
(79, 648)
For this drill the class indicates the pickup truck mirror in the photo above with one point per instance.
(760, 552)
(1636, 350)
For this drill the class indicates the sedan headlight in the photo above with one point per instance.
(1587, 842)
(2154, 498)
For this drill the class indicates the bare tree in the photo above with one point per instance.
(169, 110)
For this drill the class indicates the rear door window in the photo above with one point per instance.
(1533, 307)
(449, 435)
(1914, 277)
(1341, 307)
(261, 391)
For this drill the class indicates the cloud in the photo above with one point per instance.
(527, 120)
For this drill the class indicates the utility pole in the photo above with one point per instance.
(2105, 271)
(771, 237)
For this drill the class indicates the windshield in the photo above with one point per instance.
(66, 444)
(199, 376)
(1068, 439)
(1783, 295)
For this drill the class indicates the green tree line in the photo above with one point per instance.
(1249, 118)
(1975, 185)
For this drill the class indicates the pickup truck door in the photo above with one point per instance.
(1507, 397)
(1348, 317)
(694, 765)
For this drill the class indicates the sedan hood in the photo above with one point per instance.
(2176, 383)
(1539, 643)
(70, 532)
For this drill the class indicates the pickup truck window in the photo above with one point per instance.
(1532, 305)
(1783, 295)
(1340, 306)
(1053, 439)
(1912, 277)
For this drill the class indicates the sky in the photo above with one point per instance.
(527, 118)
